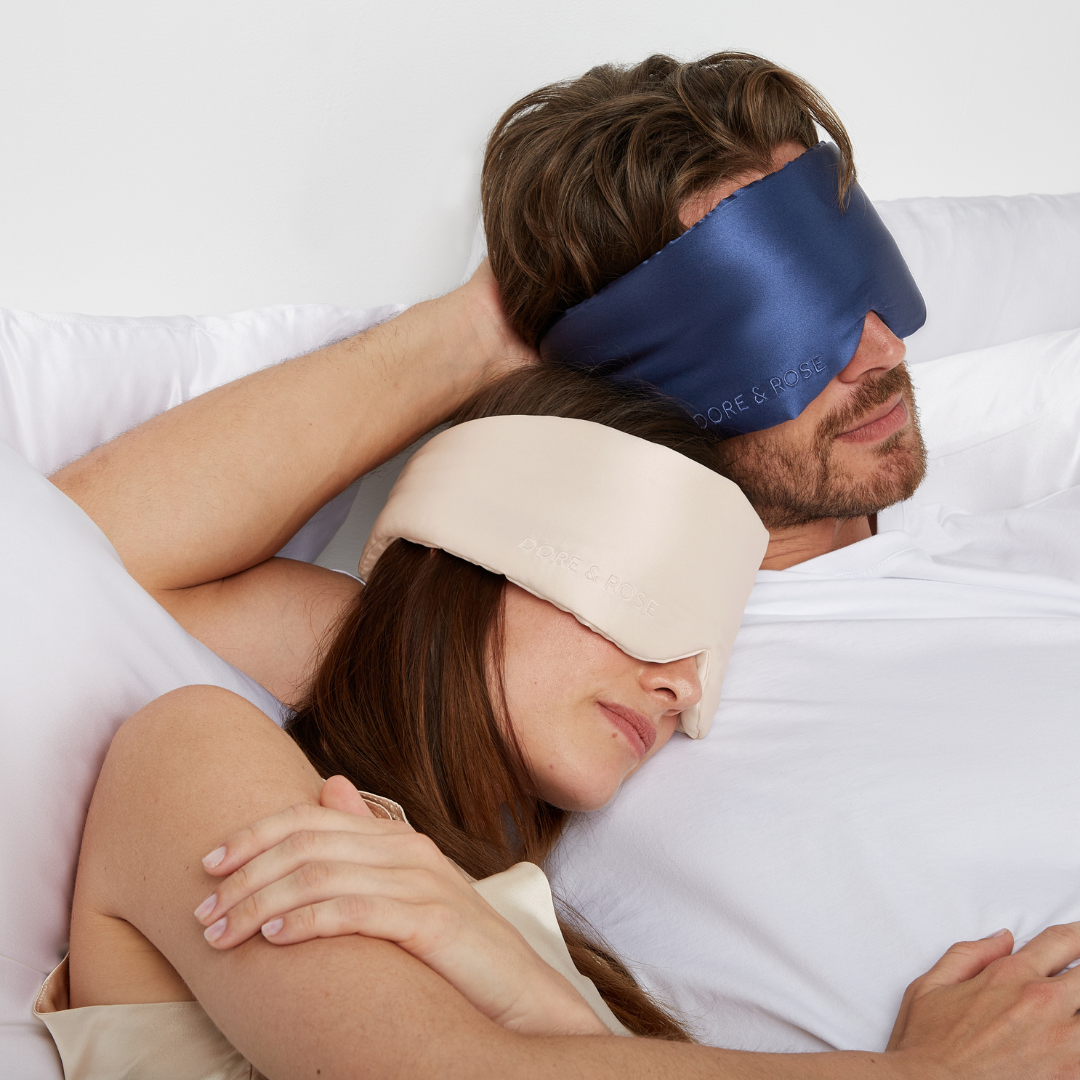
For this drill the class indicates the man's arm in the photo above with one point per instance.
(220, 483)
(197, 496)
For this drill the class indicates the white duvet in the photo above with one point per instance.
(895, 764)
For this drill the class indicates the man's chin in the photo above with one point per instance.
(865, 479)
(852, 482)
(790, 485)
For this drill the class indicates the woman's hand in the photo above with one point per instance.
(334, 869)
(985, 1012)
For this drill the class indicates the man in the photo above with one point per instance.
(891, 766)
(584, 182)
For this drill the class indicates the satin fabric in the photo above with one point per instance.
(169, 1040)
(748, 314)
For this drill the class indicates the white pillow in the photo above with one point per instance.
(1002, 426)
(71, 382)
(82, 647)
(992, 269)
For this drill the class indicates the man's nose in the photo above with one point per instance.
(676, 682)
(879, 350)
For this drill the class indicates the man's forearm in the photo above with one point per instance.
(221, 482)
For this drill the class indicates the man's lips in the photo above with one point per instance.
(637, 727)
(879, 424)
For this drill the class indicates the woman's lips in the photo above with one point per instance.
(637, 727)
(879, 424)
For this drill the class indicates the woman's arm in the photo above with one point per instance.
(334, 869)
(200, 763)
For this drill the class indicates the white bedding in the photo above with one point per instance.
(82, 646)
(796, 788)
(70, 382)
(895, 764)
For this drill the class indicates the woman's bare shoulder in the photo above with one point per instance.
(199, 727)
(185, 771)
(152, 802)
(182, 775)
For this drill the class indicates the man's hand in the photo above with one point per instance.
(981, 1012)
(496, 339)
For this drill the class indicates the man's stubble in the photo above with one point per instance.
(791, 485)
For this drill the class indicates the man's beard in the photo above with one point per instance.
(790, 485)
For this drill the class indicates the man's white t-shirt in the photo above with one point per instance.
(894, 766)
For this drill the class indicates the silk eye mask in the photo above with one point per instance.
(748, 314)
(651, 550)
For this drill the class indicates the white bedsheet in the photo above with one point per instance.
(895, 765)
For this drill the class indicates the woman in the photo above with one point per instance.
(462, 992)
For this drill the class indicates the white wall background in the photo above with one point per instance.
(212, 155)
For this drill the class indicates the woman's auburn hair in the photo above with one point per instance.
(583, 180)
(407, 701)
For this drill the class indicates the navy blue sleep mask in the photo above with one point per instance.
(748, 314)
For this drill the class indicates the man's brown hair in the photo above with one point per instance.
(583, 180)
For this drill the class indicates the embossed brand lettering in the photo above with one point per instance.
(622, 590)
(628, 592)
(802, 372)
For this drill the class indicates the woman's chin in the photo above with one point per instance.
(585, 797)
(582, 806)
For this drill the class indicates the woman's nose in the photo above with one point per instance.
(879, 350)
(676, 682)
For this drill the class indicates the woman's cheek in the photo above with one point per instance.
(585, 774)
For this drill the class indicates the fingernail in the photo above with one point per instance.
(215, 930)
(272, 927)
(204, 910)
(997, 933)
(214, 858)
